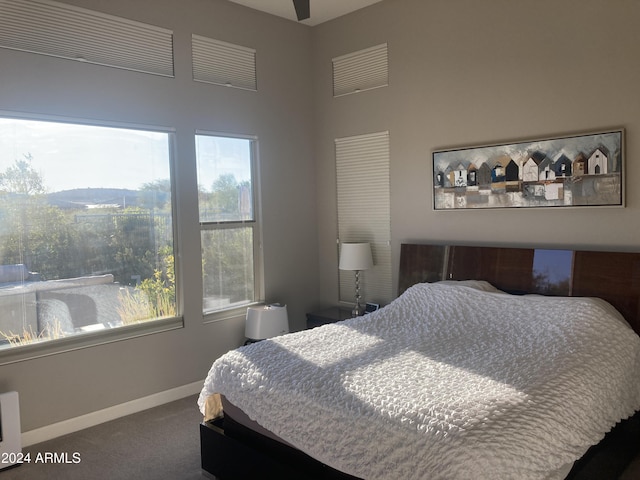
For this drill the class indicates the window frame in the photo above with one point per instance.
(125, 332)
(210, 316)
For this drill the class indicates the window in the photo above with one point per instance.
(364, 211)
(86, 230)
(223, 63)
(229, 230)
(360, 71)
(60, 30)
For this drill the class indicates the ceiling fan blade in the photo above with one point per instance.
(303, 11)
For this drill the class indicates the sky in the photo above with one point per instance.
(556, 264)
(218, 155)
(69, 156)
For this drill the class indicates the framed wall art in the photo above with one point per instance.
(570, 171)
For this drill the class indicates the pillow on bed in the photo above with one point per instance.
(482, 285)
(485, 286)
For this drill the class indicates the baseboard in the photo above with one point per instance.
(96, 418)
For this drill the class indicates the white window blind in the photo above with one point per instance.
(362, 169)
(51, 28)
(223, 63)
(362, 70)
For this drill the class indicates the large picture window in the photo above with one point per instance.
(228, 223)
(86, 230)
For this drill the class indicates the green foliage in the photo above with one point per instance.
(133, 244)
(226, 201)
(161, 288)
(227, 256)
(227, 252)
(22, 178)
(154, 297)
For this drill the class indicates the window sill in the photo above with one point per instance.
(87, 339)
(226, 314)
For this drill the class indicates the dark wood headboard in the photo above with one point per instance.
(612, 276)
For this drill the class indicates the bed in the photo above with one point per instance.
(470, 373)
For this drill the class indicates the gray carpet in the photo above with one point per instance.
(159, 443)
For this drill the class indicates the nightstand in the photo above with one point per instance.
(330, 315)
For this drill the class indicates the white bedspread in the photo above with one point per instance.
(446, 382)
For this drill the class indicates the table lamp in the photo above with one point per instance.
(356, 257)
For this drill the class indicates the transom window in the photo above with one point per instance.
(228, 220)
(86, 229)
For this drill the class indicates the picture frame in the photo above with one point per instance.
(577, 170)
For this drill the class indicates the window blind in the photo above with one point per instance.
(223, 63)
(362, 170)
(51, 28)
(362, 70)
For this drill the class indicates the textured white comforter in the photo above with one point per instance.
(447, 382)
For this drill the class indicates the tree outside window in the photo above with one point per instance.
(227, 220)
(86, 231)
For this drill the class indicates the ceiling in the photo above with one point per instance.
(321, 10)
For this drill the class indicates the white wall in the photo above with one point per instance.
(463, 72)
(70, 384)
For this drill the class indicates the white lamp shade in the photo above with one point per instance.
(355, 256)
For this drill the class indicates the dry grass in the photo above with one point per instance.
(136, 307)
(28, 336)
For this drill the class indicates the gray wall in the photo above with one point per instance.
(70, 384)
(463, 72)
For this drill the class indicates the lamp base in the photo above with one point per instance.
(357, 310)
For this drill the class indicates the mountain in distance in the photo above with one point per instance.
(105, 198)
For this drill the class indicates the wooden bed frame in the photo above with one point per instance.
(612, 276)
(231, 451)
